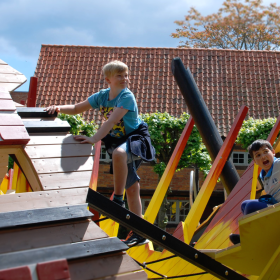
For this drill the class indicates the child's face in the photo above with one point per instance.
(118, 80)
(264, 157)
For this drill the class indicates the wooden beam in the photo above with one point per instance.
(42, 199)
(34, 112)
(44, 215)
(66, 251)
(12, 240)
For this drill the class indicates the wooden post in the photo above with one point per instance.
(31, 100)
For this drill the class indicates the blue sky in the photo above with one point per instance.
(27, 24)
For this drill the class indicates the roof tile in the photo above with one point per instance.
(227, 79)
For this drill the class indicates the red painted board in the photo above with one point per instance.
(18, 273)
(5, 95)
(10, 119)
(7, 105)
(13, 135)
(54, 270)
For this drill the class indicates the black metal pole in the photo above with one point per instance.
(203, 120)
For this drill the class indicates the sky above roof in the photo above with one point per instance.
(27, 24)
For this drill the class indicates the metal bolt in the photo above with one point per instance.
(196, 256)
(127, 216)
(226, 273)
(163, 237)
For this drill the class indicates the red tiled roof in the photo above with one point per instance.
(226, 79)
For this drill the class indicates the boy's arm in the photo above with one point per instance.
(116, 116)
(69, 109)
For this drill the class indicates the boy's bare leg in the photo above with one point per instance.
(119, 170)
(133, 199)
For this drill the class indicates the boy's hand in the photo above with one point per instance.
(51, 109)
(85, 139)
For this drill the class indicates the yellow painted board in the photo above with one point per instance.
(4, 185)
(15, 176)
(272, 269)
(259, 234)
(21, 183)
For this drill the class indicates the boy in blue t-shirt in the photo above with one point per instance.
(122, 132)
(263, 155)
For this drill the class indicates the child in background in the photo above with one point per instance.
(124, 134)
(263, 155)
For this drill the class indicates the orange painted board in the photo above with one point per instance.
(209, 184)
(156, 201)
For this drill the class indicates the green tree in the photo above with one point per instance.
(236, 25)
(165, 131)
(254, 129)
(78, 125)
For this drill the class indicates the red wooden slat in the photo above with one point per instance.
(10, 119)
(18, 273)
(54, 270)
(14, 135)
(7, 105)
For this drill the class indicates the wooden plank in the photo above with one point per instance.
(46, 126)
(13, 135)
(52, 140)
(99, 267)
(66, 251)
(12, 240)
(42, 199)
(53, 270)
(56, 151)
(44, 215)
(28, 169)
(10, 86)
(5, 95)
(18, 273)
(34, 112)
(54, 165)
(136, 275)
(6, 69)
(3, 166)
(10, 120)
(11, 78)
(7, 105)
(65, 180)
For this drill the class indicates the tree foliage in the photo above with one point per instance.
(236, 25)
(254, 129)
(165, 131)
(78, 125)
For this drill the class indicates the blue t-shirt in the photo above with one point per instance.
(125, 100)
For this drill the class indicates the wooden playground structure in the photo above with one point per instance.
(47, 231)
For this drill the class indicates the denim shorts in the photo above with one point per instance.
(132, 176)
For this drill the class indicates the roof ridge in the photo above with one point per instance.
(164, 48)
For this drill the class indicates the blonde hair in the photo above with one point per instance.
(114, 67)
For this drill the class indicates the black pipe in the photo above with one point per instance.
(203, 120)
